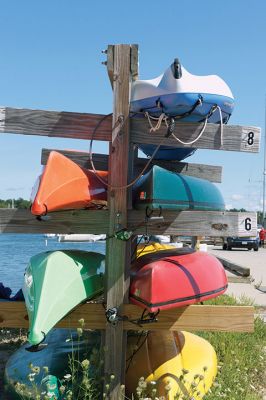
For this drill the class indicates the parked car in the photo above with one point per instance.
(244, 242)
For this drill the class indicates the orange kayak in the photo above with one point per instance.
(64, 185)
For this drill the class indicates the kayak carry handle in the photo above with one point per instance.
(37, 347)
(176, 69)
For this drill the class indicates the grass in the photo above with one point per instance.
(241, 359)
(241, 367)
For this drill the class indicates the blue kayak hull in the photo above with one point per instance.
(177, 104)
(167, 153)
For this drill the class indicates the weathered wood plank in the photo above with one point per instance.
(80, 157)
(194, 318)
(198, 223)
(235, 138)
(185, 223)
(116, 250)
(81, 221)
(110, 63)
(134, 62)
(82, 126)
(211, 173)
(63, 124)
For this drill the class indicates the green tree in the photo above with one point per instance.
(18, 203)
(21, 203)
(238, 209)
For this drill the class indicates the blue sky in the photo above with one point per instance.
(51, 59)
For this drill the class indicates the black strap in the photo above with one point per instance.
(187, 113)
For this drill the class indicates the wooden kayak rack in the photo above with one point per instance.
(123, 134)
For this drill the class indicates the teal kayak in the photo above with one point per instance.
(57, 281)
(160, 188)
(63, 345)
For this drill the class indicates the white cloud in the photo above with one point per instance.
(237, 197)
(229, 206)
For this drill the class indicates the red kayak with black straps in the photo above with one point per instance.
(64, 185)
(175, 278)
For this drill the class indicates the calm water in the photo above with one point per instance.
(17, 249)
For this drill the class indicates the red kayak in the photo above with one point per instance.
(64, 185)
(175, 278)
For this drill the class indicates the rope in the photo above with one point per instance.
(163, 117)
(170, 127)
(134, 252)
(194, 140)
(111, 187)
(134, 255)
(159, 121)
(129, 360)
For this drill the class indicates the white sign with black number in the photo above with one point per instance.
(247, 224)
(250, 139)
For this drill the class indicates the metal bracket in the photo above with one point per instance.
(112, 316)
(150, 217)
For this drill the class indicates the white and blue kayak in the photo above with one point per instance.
(184, 96)
(180, 94)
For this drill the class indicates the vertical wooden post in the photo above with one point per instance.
(117, 259)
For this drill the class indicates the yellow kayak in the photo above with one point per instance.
(179, 363)
(152, 247)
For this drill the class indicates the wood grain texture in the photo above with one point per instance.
(76, 125)
(192, 318)
(110, 63)
(134, 62)
(235, 138)
(116, 250)
(196, 223)
(211, 173)
(63, 124)
(80, 221)
(185, 223)
(79, 157)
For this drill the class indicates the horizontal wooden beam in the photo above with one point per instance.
(55, 123)
(197, 223)
(81, 221)
(185, 223)
(194, 318)
(86, 126)
(79, 157)
(211, 173)
(234, 137)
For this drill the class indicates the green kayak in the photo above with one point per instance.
(57, 281)
(173, 191)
